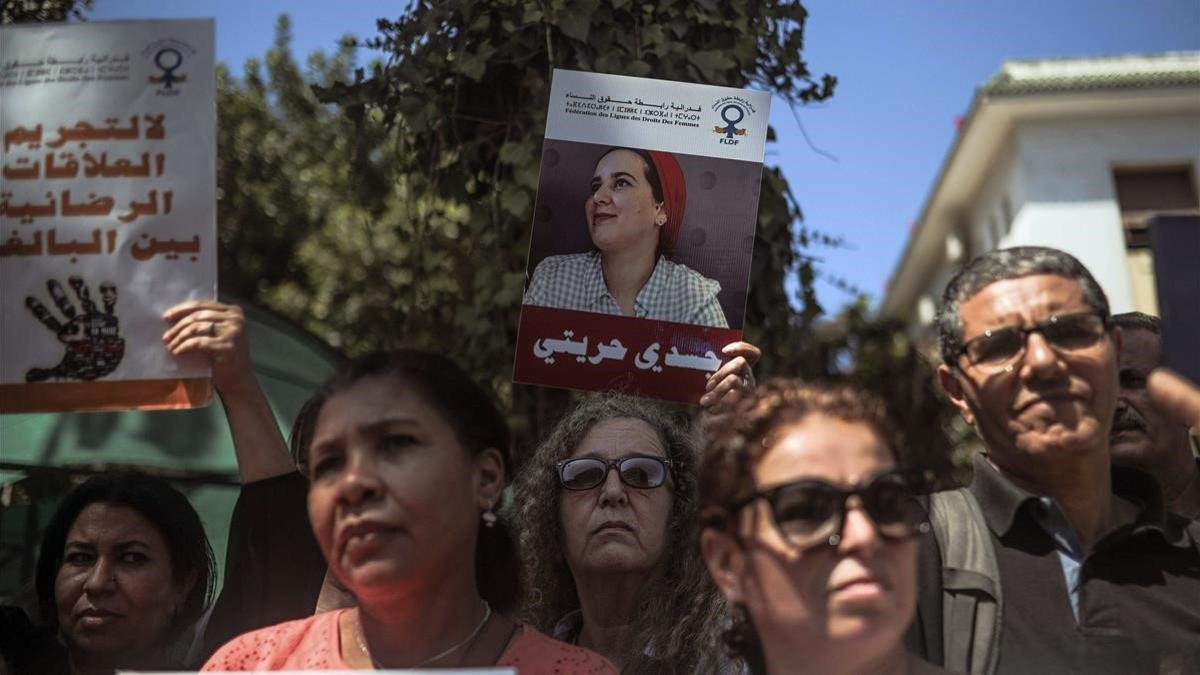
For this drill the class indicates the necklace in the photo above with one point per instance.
(360, 638)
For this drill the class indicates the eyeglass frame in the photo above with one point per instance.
(835, 538)
(609, 465)
(1039, 327)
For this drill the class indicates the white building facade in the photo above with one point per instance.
(1076, 154)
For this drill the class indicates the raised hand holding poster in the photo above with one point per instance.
(643, 234)
(107, 211)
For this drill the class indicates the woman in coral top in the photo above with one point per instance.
(407, 461)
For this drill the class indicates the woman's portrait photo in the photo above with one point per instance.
(661, 236)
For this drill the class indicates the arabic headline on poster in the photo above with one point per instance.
(643, 234)
(107, 211)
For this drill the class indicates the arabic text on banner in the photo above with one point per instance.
(107, 211)
(698, 149)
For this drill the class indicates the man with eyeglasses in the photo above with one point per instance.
(1079, 568)
(1143, 435)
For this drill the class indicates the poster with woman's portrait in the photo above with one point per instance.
(643, 234)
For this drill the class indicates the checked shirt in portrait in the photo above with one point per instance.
(673, 292)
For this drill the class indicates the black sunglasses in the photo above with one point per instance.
(999, 348)
(637, 471)
(810, 512)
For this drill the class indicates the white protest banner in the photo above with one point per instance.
(107, 211)
(639, 262)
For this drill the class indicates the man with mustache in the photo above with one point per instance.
(1143, 435)
(1071, 565)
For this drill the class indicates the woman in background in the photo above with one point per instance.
(606, 514)
(123, 572)
(407, 461)
(606, 509)
(808, 528)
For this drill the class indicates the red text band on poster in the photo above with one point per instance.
(584, 350)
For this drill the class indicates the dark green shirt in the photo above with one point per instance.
(1138, 588)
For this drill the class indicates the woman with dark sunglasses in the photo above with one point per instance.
(606, 512)
(808, 528)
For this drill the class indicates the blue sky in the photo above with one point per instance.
(905, 70)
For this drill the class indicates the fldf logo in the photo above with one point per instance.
(732, 111)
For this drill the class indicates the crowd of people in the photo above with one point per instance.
(784, 530)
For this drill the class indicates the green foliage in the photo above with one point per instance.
(279, 182)
(31, 11)
(394, 207)
(881, 356)
(462, 91)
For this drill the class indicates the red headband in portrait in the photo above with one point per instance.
(674, 191)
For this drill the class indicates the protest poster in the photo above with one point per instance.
(643, 234)
(107, 211)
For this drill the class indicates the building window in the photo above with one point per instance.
(1144, 192)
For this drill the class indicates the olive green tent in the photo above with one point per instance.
(42, 455)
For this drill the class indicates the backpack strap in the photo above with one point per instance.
(972, 602)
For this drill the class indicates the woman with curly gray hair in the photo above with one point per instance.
(606, 511)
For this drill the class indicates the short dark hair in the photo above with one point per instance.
(477, 423)
(300, 438)
(1003, 264)
(1138, 321)
(159, 503)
